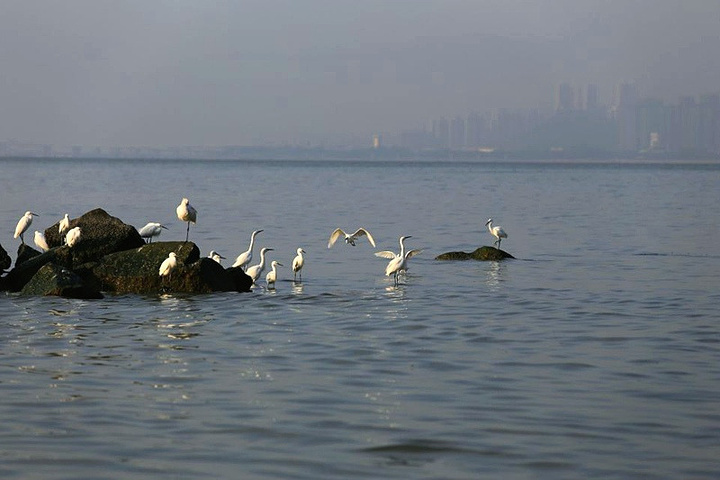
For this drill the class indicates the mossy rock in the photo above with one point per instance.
(55, 280)
(483, 254)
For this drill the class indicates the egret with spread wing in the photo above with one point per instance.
(398, 262)
(350, 238)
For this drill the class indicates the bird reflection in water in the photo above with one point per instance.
(494, 275)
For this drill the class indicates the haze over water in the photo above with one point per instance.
(594, 354)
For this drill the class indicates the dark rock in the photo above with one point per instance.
(136, 271)
(102, 234)
(5, 260)
(482, 253)
(242, 280)
(53, 279)
(16, 278)
(25, 252)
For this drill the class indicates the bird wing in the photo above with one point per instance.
(22, 225)
(499, 232)
(337, 233)
(412, 253)
(361, 231)
(147, 230)
(385, 254)
(192, 213)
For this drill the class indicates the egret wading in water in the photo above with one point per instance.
(255, 271)
(271, 277)
(398, 262)
(243, 260)
(40, 241)
(73, 236)
(23, 224)
(216, 256)
(63, 227)
(298, 263)
(152, 229)
(186, 213)
(350, 238)
(167, 266)
(496, 232)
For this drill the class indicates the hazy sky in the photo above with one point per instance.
(203, 72)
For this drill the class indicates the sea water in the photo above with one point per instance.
(594, 354)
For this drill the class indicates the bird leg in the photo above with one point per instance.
(187, 233)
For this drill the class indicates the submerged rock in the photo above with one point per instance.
(482, 253)
(53, 279)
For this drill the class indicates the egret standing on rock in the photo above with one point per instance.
(216, 256)
(243, 260)
(496, 232)
(186, 213)
(398, 262)
(23, 224)
(72, 237)
(350, 239)
(255, 271)
(271, 277)
(152, 229)
(298, 263)
(63, 227)
(40, 241)
(168, 265)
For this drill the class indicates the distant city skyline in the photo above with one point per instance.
(333, 73)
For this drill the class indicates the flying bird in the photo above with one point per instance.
(243, 260)
(271, 277)
(64, 226)
(186, 213)
(298, 263)
(40, 241)
(496, 232)
(168, 265)
(398, 262)
(152, 229)
(255, 271)
(216, 256)
(72, 237)
(23, 224)
(350, 239)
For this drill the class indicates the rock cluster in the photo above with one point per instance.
(112, 257)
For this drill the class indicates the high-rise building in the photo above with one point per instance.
(441, 132)
(457, 133)
(624, 103)
(565, 100)
(592, 104)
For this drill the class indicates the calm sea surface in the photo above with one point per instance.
(595, 354)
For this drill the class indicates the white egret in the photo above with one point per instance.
(64, 226)
(216, 256)
(255, 271)
(271, 277)
(40, 241)
(186, 213)
(168, 265)
(152, 229)
(298, 263)
(23, 224)
(243, 260)
(72, 237)
(350, 238)
(398, 262)
(496, 232)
